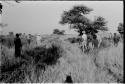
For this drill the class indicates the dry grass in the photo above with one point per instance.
(101, 65)
(110, 64)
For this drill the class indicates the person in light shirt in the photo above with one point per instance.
(38, 39)
(84, 38)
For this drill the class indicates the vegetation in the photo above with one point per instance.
(32, 62)
(59, 32)
(77, 20)
(55, 58)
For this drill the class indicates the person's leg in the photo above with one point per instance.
(99, 42)
(83, 45)
(116, 43)
(93, 43)
(16, 53)
(19, 52)
(86, 45)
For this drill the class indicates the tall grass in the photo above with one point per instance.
(54, 59)
(28, 67)
(109, 64)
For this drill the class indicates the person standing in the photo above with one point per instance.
(18, 46)
(84, 42)
(95, 41)
(116, 39)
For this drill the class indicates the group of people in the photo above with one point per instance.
(95, 40)
(89, 38)
(88, 41)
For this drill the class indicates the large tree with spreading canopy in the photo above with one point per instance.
(76, 19)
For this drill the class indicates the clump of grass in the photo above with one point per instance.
(110, 64)
(42, 54)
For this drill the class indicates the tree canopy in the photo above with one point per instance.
(100, 23)
(77, 20)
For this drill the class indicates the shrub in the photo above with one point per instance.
(43, 54)
(59, 32)
(73, 40)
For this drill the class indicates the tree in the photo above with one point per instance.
(11, 34)
(59, 32)
(100, 24)
(77, 20)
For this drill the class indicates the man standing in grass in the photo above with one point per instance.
(84, 41)
(18, 46)
(116, 39)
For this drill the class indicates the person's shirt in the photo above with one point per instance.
(38, 38)
(84, 37)
(17, 42)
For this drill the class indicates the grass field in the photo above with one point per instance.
(56, 57)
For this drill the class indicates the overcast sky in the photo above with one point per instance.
(44, 16)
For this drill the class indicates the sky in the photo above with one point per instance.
(41, 17)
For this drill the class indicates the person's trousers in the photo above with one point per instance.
(17, 52)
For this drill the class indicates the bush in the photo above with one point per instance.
(73, 40)
(59, 32)
(45, 55)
